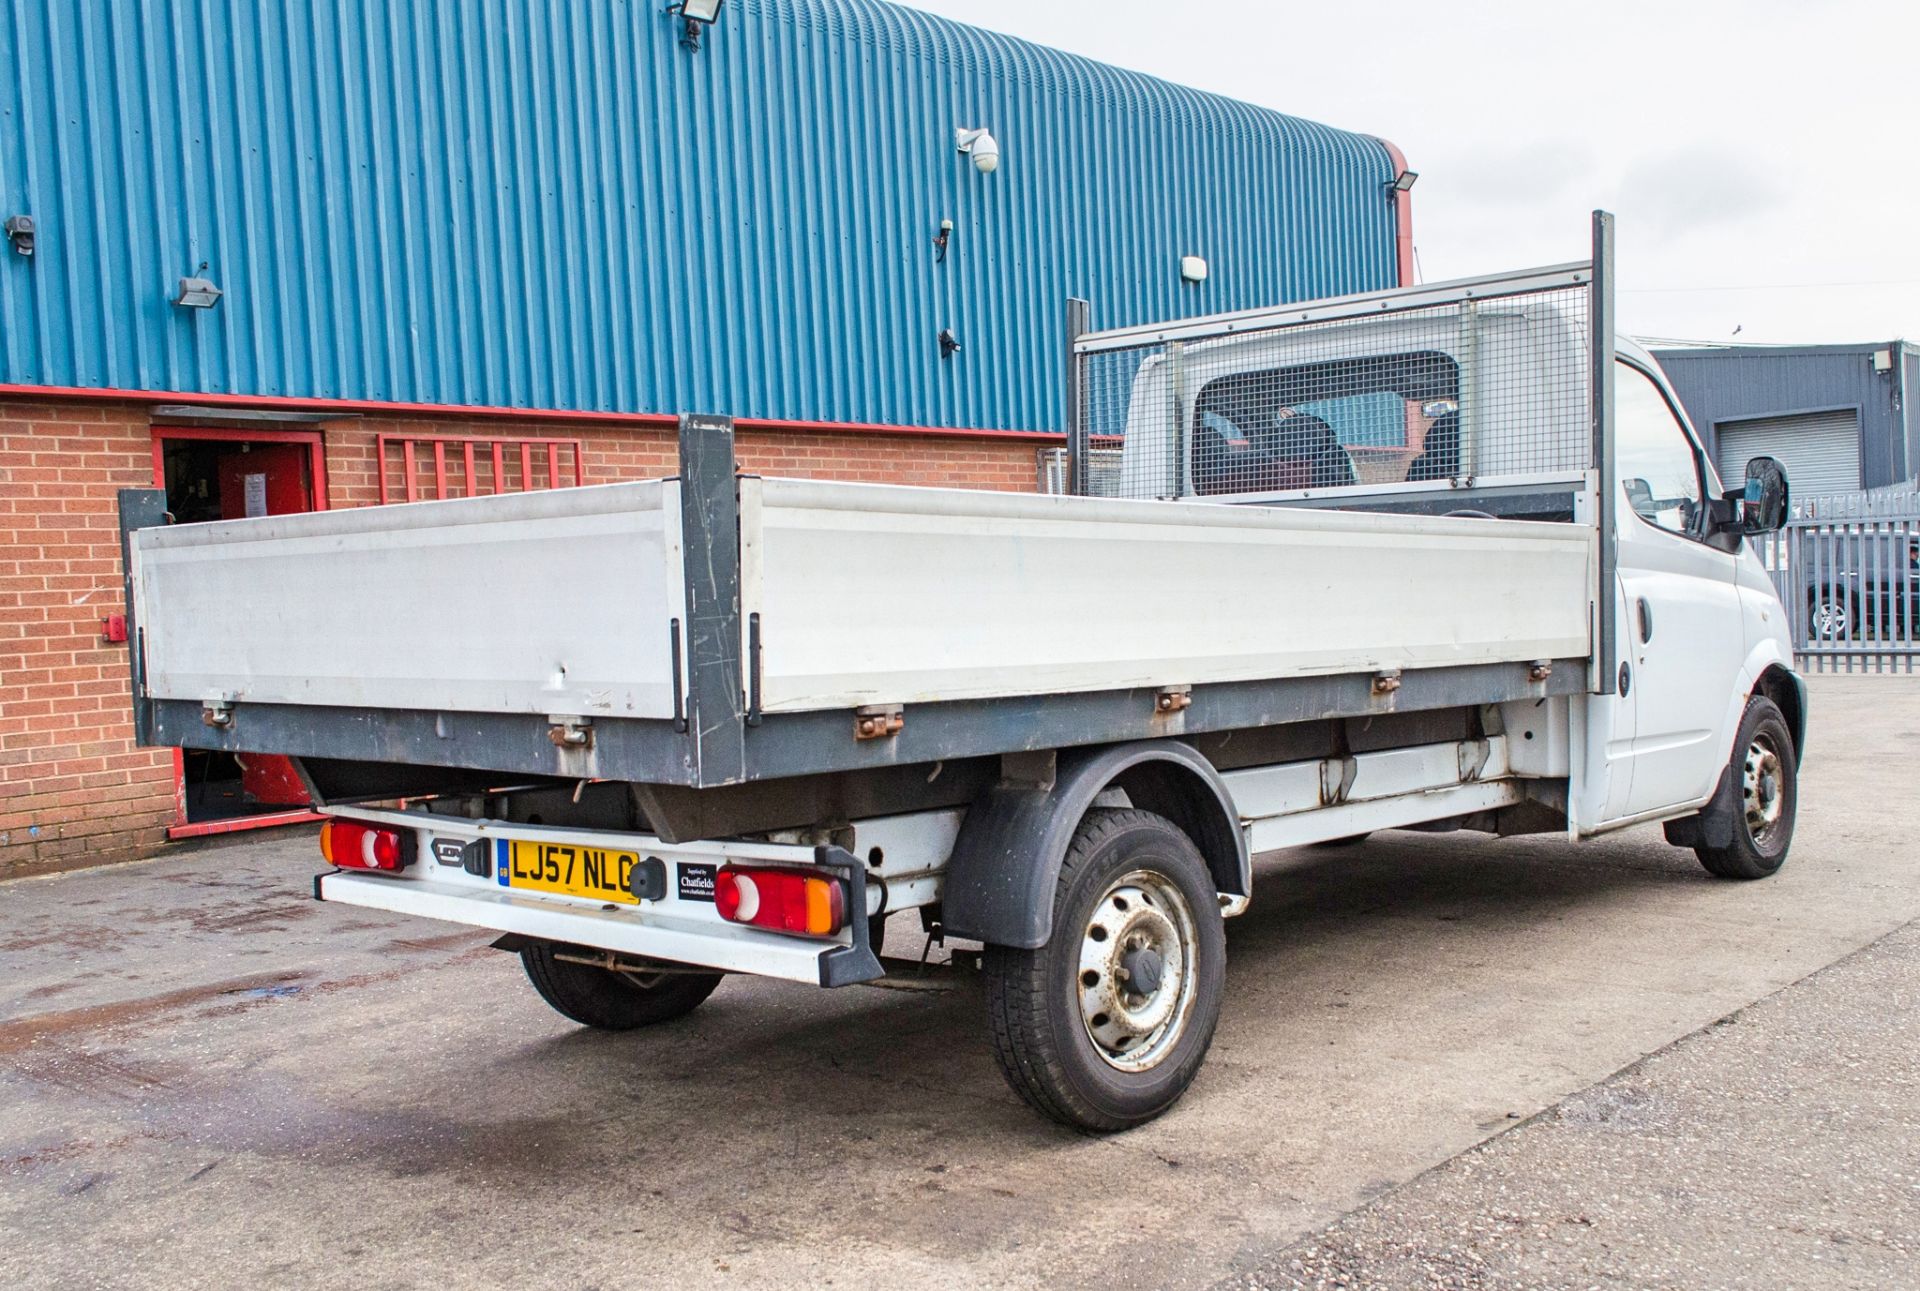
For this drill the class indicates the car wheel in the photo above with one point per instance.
(1105, 1026)
(1765, 776)
(612, 999)
(1830, 616)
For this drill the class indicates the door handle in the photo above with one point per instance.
(1646, 620)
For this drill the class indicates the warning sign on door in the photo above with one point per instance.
(256, 495)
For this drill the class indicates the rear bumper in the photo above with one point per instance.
(683, 932)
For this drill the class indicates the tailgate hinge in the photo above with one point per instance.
(569, 732)
(878, 721)
(217, 712)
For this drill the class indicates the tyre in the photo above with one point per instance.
(609, 999)
(1765, 778)
(1105, 1026)
(1831, 616)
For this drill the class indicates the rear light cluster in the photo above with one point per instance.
(365, 847)
(799, 901)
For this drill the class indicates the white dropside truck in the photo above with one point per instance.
(1446, 557)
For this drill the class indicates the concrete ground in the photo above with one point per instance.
(207, 1079)
(1779, 1148)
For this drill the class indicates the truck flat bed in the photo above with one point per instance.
(467, 632)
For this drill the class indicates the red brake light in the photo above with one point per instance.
(799, 901)
(364, 847)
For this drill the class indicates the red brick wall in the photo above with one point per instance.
(73, 788)
(612, 454)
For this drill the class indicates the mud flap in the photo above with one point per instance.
(1714, 824)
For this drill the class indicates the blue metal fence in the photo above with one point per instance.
(1848, 571)
(551, 204)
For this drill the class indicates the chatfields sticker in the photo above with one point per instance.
(696, 882)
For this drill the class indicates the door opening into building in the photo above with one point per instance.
(217, 474)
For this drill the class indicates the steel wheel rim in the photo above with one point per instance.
(1142, 923)
(1763, 790)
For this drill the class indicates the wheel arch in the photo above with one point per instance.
(1789, 693)
(1006, 860)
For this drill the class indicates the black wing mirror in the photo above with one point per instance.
(1760, 505)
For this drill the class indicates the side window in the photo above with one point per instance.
(1656, 460)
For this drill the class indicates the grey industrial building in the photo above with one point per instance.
(1838, 416)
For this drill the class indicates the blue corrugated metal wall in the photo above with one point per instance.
(550, 204)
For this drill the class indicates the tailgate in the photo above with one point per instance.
(556, 602)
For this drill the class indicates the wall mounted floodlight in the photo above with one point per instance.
(981, 144)
(1193, 268)
(197, 293)
(20, 233)
(1403, 182)
(695, 14)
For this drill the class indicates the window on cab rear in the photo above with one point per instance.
(1657, 463)
(1379, 419)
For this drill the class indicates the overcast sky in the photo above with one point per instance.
(1763, 156)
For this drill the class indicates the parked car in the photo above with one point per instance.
(1858, 583)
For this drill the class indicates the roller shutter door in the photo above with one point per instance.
(1821, 450)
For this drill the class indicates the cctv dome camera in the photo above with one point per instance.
(983, 147)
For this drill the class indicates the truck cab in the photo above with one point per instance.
(1485, 414)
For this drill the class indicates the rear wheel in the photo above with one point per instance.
(609, 998)
(1765, 776)
(1105, 1026)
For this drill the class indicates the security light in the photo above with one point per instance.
(1403, 182)
(981, 144)
(695, 14)
(20, 233)
(197, 293)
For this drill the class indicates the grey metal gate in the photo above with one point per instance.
(1848, 570)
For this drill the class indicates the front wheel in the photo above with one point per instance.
(1831, 616)
(1105, 1026)
(1766, 783)
(612, 999)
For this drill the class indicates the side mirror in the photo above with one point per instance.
(1761, 505)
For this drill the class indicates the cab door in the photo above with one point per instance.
(1683, 640)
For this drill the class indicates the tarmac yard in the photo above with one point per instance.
(209, 1080)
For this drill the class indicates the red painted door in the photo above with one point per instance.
(268, 479)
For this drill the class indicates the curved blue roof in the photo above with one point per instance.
(553, 205)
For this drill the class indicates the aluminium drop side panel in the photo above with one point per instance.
(555, 602)
(872, 594)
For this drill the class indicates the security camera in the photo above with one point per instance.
(984, 148)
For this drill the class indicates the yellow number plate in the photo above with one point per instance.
(571, 870)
